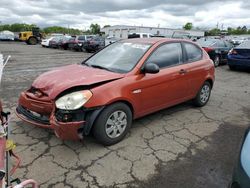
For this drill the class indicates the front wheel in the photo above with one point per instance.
(113, 124)
(32, 41)
(203, 95)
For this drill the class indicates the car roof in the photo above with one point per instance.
(154, 40)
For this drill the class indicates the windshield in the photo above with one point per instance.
(206, 42)
(118, 57)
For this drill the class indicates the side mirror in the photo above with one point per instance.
(151, 68)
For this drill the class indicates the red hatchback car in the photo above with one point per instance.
(124, 81)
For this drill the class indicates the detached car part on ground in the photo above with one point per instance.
(217, 49)
(241, 175)
(239, 57)
(124, 81)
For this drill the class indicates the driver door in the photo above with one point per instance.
(170, 85)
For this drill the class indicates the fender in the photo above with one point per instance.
(90, 119)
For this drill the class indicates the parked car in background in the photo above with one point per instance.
(7, 36)
(217, 49)
(180, 35)
(45, 42)
(64, 42)
(148, 75)
(94, 44)
(139, 35)
(110, 40)
(76, 43)
(237, 40)
(53, 43)
(239, 57)
(241, 174)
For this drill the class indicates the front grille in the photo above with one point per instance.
(33, 115)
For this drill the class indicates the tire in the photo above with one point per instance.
(203, 95)
(88, 50)
(32, 41)
(108, 128)
(231, 67)
(216, 60)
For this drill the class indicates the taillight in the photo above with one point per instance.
(207, 49)
(232, 52)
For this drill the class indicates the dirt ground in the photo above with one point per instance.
(179, 147)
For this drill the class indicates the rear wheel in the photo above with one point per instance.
(32, 41)
(113, 124)
(216, 60)
(203, 95)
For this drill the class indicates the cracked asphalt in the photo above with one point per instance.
(182, 146)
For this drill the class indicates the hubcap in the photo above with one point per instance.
(205, 92)
(116, 124)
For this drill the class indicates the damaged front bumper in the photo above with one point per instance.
(67, 124)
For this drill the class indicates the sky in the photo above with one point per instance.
(163, 13)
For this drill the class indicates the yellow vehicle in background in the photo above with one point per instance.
(31, 37)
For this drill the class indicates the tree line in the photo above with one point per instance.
(19, 27)
(240, 30)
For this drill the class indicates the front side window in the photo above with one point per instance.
(118, 57)
(193, 52)
(167, 55)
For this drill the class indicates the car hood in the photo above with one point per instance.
(54, 82)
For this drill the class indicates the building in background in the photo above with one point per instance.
(122, 31)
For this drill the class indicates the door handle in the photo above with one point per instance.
(183, 71)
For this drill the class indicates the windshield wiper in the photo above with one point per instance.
(99, 67)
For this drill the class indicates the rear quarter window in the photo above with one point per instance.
(193, 52)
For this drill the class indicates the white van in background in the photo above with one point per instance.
(140, 35)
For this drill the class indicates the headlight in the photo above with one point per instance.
(73, 100)
(79, 44)
(245, 155)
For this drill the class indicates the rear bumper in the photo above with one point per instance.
(239, 62)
